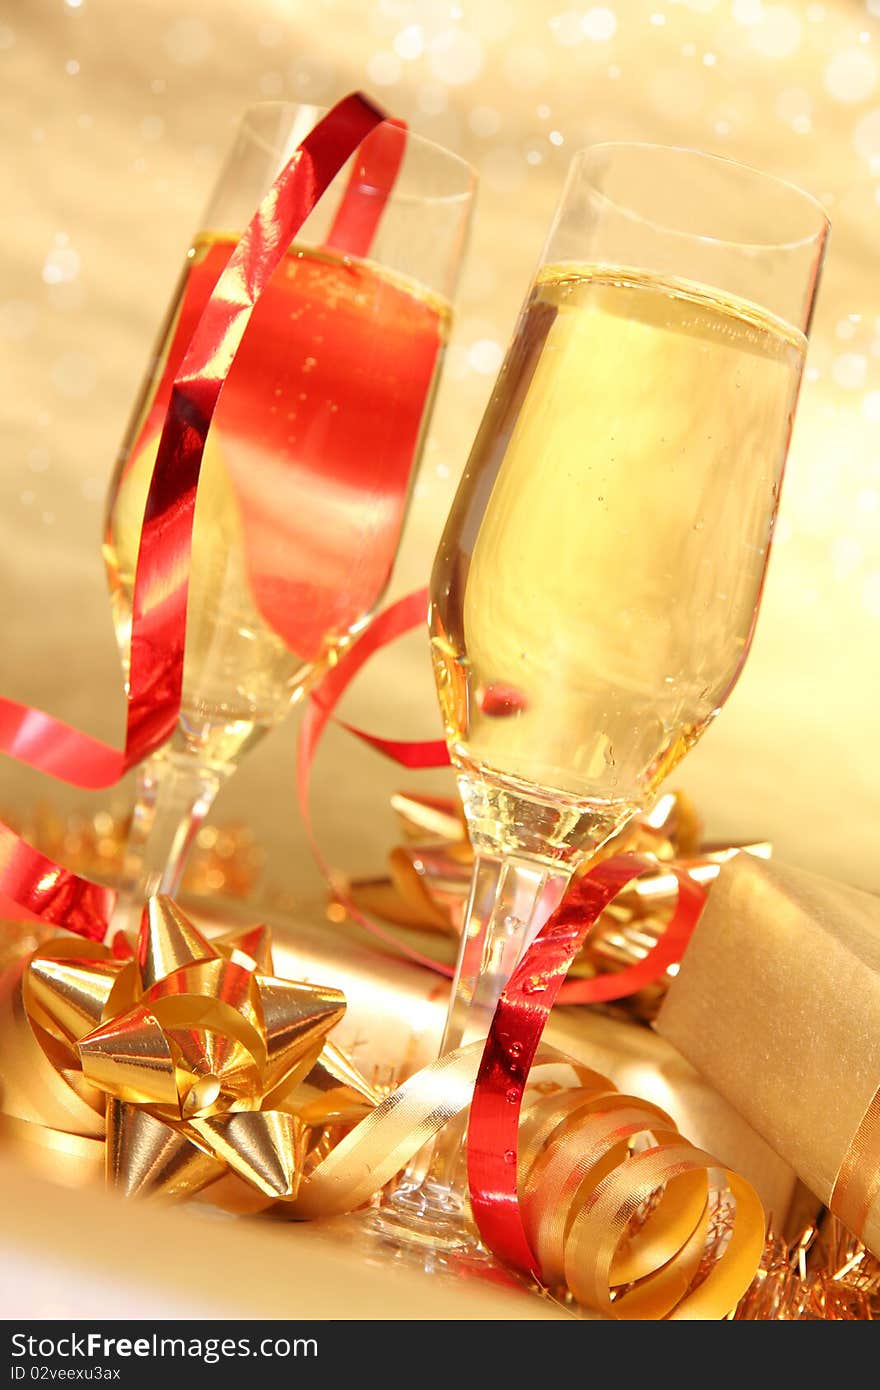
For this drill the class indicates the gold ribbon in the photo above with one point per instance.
(857, 1185)
(195, 1070)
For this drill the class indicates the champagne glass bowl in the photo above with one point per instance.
(308, 460)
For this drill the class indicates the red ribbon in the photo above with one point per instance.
(32, 884)
(516, 1031)
(369, 186)
(538, 981)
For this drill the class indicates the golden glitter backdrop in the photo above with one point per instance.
(114, 121)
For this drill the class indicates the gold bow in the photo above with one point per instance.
(429, 874)
(194, 1061)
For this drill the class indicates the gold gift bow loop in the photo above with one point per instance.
(857, 1185)
(198, 1063)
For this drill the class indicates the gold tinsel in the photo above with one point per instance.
(226, 859)
(824, 1275)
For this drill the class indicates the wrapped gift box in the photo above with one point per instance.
(778, 1005)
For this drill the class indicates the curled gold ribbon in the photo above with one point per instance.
(581, 1186)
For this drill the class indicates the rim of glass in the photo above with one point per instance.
(817, 235)
(448, 156)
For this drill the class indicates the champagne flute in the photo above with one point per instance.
(597, 584)
(293, 540)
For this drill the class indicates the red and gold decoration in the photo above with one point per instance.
(189, 1068)
(30, 882)
(186, 1069)
(226, 859)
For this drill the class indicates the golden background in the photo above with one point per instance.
(115, 118)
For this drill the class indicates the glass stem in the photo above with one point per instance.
(510, 900)
(174, 793)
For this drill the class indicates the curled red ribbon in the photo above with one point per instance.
(31, 883)
(516, 1031)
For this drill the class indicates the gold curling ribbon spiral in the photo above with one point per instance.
(623, 1229)
(617, 1204)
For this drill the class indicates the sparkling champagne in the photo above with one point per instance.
(304, 479)
(597, 584)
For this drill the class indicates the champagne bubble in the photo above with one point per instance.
(851, 75)
(62, 263)
(849, 370)
(409, 44)
(456, 57)
(485, 356)
(777, 34)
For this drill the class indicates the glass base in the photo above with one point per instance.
(428, 1218)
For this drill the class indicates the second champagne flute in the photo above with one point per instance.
(597, 584)
(327, 401)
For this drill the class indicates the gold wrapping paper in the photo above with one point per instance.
(778, 1005)
(88, 1257)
